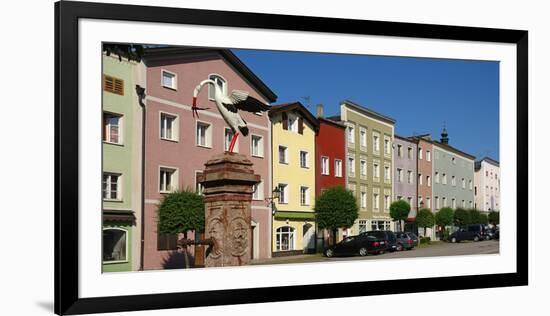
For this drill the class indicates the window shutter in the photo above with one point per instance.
(119, 86)
(285, 121)
(113, 85)
(301, 125)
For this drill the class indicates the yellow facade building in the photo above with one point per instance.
(293, 147)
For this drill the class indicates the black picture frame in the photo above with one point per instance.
(67, 15)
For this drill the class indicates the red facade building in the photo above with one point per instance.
(330, 154)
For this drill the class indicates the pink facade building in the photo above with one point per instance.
(177, 145)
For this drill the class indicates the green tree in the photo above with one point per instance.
(444, 217)
(335, 208)
(180, 212)
(399, 211)
(483, 219)
(475, 216)
(494, 217)
(425, 218)
(462, 217)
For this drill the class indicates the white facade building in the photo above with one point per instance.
(487, 185)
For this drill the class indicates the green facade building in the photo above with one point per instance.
(121, 164)
(369, 139)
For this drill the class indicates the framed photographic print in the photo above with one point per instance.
(210, 158)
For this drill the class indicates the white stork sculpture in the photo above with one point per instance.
(229, 107)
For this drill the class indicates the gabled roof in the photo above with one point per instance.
(295, 106)
(452, 149)
(407, 139)
(368, 112)
(488, 160)
(331, 122)
(161, 53)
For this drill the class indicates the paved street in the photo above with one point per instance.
(434, 250)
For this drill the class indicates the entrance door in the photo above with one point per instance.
(308, 240)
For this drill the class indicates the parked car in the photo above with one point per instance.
(475, 232)
(404, 241)
(490, 233)
(356, 245)
(415, 238)
(386, 238)
(496, 236)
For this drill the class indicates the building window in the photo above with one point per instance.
(283, 197)
(363, 199)
(453, 159)
(463, 183)
(198, 186)
(419, 201)
(227, 138)
(419, 153)
(375, 201)
(111, 186)
(283, 154)
(387, 173)
(112, 129)
(470, 204)
(387, 202)
(169, 79)
(338, 167)
(399, 175)
(285, 238)
(258, 189)
(113, 85)
(363, 167)
(325, 166)
(293, 123)
(453, 181)
(463, 203)
(351, 166)
(428, 155)
(351, 134)
(257, 143)
(115, 242)
(437, 177)
(444, 179)
(409, 177)
(410, 153)
(399, 151)
(444, 201)
(167, 180)
(428, 203)
(470, 184)
(376, 143)
(376, 170)
(387, 147)
(304, 159)
(168, 126)
(453, 203)
(436, 203)
(409, 200)
(204, 134)
(363, 137)
(220, 82)
(304, 196)
(362, 226)
(419, 179)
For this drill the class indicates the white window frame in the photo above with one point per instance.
(285, 160)
(198, 187)
(174, 179)
(107, 129)
(174, 79)
(420, 182)
(227, 142)
(463, 183)
(387, 146)
(428, 155)
(420, 153)
(376, 170)
(306, 160)
(363, 137)
(410, 177)
(338, 168)
(208, 134)
(325, 165)
(284, 193)
(278, 238)
(387, 173)
(429, 181)
(376, 142)
(175, 126)
(351, 167)
(258, 194)
(260, 153)
(363, 199)
(376, 201)
(444, 178)
(436, 177)
(126, 247)
(292, 122)
(399, 175)
(118, 186)
(304, 200)
(224, 85)
(453, 181)
(363, 167)
(351, 134)
(387, 202)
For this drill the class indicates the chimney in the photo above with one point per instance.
(320, 110)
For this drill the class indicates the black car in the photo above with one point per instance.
(404, 241)
(474, 232)
(386, 238)
(356, 245)
(414, 238)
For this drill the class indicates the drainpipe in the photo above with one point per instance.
(141, 96)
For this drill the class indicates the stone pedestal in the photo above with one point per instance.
(228, 181)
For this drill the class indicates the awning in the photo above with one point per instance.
(412, 215)
(294, 215)
(119, 216)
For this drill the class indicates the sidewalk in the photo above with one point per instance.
(316, 257)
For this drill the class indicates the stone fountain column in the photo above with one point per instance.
(228, 181)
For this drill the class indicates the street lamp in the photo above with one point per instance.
(276, 194)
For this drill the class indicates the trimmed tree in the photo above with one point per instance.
(494, 217)
(399, 211)
(462, 217)
(425, 218)
(336, 208)
(444, 217)
(180, 212)
(475, 217)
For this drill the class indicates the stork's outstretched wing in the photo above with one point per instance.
(240, 100)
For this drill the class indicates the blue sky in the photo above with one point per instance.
(462, 94)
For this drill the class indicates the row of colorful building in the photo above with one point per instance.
(152, 145)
